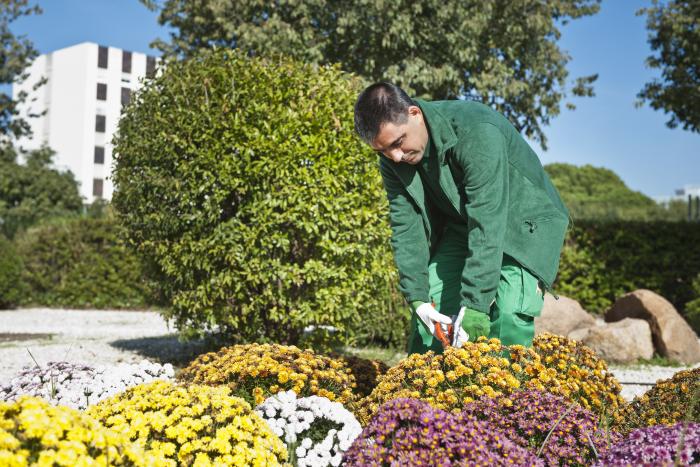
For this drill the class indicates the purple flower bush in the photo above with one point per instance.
(658, 446)
(527, 418)
(411, 432)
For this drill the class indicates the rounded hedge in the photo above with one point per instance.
(242, 182)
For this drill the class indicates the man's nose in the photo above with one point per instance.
(395, 155)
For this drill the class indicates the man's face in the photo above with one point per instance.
(405, 142)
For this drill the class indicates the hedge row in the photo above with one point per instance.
(74, 262)
(602, 261)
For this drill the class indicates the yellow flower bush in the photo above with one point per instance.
(366, 372)
(34, 432)
(670, 401)
(195, 425)
(462, 375)
(257, 371)
(453, 379)
(577, 373)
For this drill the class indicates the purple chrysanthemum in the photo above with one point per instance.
(575, 439)
(657, 445)
(411, 432)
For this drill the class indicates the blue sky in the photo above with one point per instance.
(604, 131)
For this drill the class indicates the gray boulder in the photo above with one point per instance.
(624, 341)
(562, 316)
(672, 336)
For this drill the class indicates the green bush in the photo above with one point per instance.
(80, 263)
(10, 274)
(241, 182)
(692, 308)
(603, 260)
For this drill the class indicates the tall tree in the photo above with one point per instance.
(501, 52)
(674, 34)
(16, 53)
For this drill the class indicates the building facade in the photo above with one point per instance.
(86, 87)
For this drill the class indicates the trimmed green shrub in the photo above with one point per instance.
(10, 274)
(80, 263)
(241, 182)
(602, 261)
(692, 308)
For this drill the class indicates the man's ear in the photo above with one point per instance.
(414, 110)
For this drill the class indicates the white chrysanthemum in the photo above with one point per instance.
(77, 386)
(294, 417)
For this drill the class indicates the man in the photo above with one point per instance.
(477, 226)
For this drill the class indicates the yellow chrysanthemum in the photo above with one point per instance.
(58, 435)
(193, 425)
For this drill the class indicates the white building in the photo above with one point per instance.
(87, 85)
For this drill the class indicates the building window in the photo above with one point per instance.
(150, 66)
(97, 187)
(126, 96)
(102, 56)
(126, 62)
(100, 123)
(101, 92)
(99, 155)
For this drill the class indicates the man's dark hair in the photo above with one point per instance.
(380, 103)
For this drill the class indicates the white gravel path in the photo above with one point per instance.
(109, 337)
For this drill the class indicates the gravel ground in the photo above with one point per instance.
(109, 337)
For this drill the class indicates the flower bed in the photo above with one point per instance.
(34, 431)
(257, 371)
(411, 432)
(77, 385)
(461, 375)
(559, 430)
(669, 401)
(658, 445)
(195, 424)
(317, 431)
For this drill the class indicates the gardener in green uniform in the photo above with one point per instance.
(477, 226)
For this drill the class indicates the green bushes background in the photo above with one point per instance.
(79, 262)
(603, 260)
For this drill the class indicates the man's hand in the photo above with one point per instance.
(470, 324)
(431, 317)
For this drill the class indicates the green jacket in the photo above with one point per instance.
(496, 183)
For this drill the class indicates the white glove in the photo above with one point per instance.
(460, 336)
(429, 315)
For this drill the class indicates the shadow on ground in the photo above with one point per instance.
(168, 349)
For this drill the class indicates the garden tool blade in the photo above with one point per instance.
(456, 326)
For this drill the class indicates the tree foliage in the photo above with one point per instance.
(501, 52)
(596, 193)
(674, 34)
(16, 53)
(242, 183)
(34, 190)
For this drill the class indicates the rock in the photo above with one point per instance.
(672, 336)
(562, 316)
(623, 341)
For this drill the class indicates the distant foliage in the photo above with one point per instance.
(10, 274)
(242, 183)
(595, 193)
(32, 190)
(80, 263)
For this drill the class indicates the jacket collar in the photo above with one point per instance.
(442, 134)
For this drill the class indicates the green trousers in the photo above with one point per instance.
(519, 297)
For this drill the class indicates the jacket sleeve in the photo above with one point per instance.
(482, 154)
(408, 239)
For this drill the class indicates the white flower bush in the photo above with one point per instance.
(317, 431)
(77, 386)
